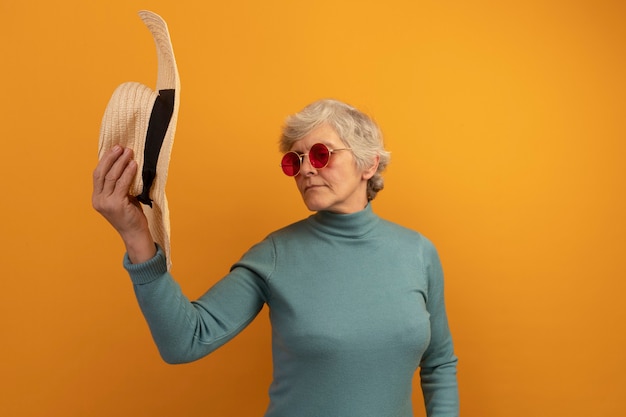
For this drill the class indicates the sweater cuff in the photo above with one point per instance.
(146, 272)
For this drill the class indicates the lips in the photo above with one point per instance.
(312, 187)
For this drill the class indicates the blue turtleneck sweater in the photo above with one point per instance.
(356, 306)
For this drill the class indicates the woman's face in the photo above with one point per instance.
(339, 187)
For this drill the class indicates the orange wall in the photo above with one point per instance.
(506, 124)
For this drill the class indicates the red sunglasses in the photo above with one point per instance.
(319, 156)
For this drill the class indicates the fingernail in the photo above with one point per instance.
(116, 148)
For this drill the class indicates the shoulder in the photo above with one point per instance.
(289, 233)
(403, 240)
(267, 246)
(398, 231)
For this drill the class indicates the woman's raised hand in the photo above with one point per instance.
(111, 182)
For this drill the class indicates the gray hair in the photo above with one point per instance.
(355, 129)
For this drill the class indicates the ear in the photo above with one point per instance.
(369, 172)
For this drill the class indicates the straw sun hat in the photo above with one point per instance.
(144, 120)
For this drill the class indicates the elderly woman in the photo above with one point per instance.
(356, 302)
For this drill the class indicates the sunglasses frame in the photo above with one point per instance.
(302, 155)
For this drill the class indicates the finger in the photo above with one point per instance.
(104, 166)
(115, 172)
(123, 183)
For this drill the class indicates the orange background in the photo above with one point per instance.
(506, 121)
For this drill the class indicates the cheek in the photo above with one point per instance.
(298, 181)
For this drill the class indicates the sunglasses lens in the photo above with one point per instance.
(319, 155)
(290, 164)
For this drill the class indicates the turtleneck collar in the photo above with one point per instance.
(353, 225)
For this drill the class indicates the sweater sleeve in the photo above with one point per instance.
(185, 330)
(438, 365)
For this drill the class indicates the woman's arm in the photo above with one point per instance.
(438, 366)
(183, 330)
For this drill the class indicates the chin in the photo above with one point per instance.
(314, 205)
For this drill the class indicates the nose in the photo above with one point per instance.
(306, 168)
